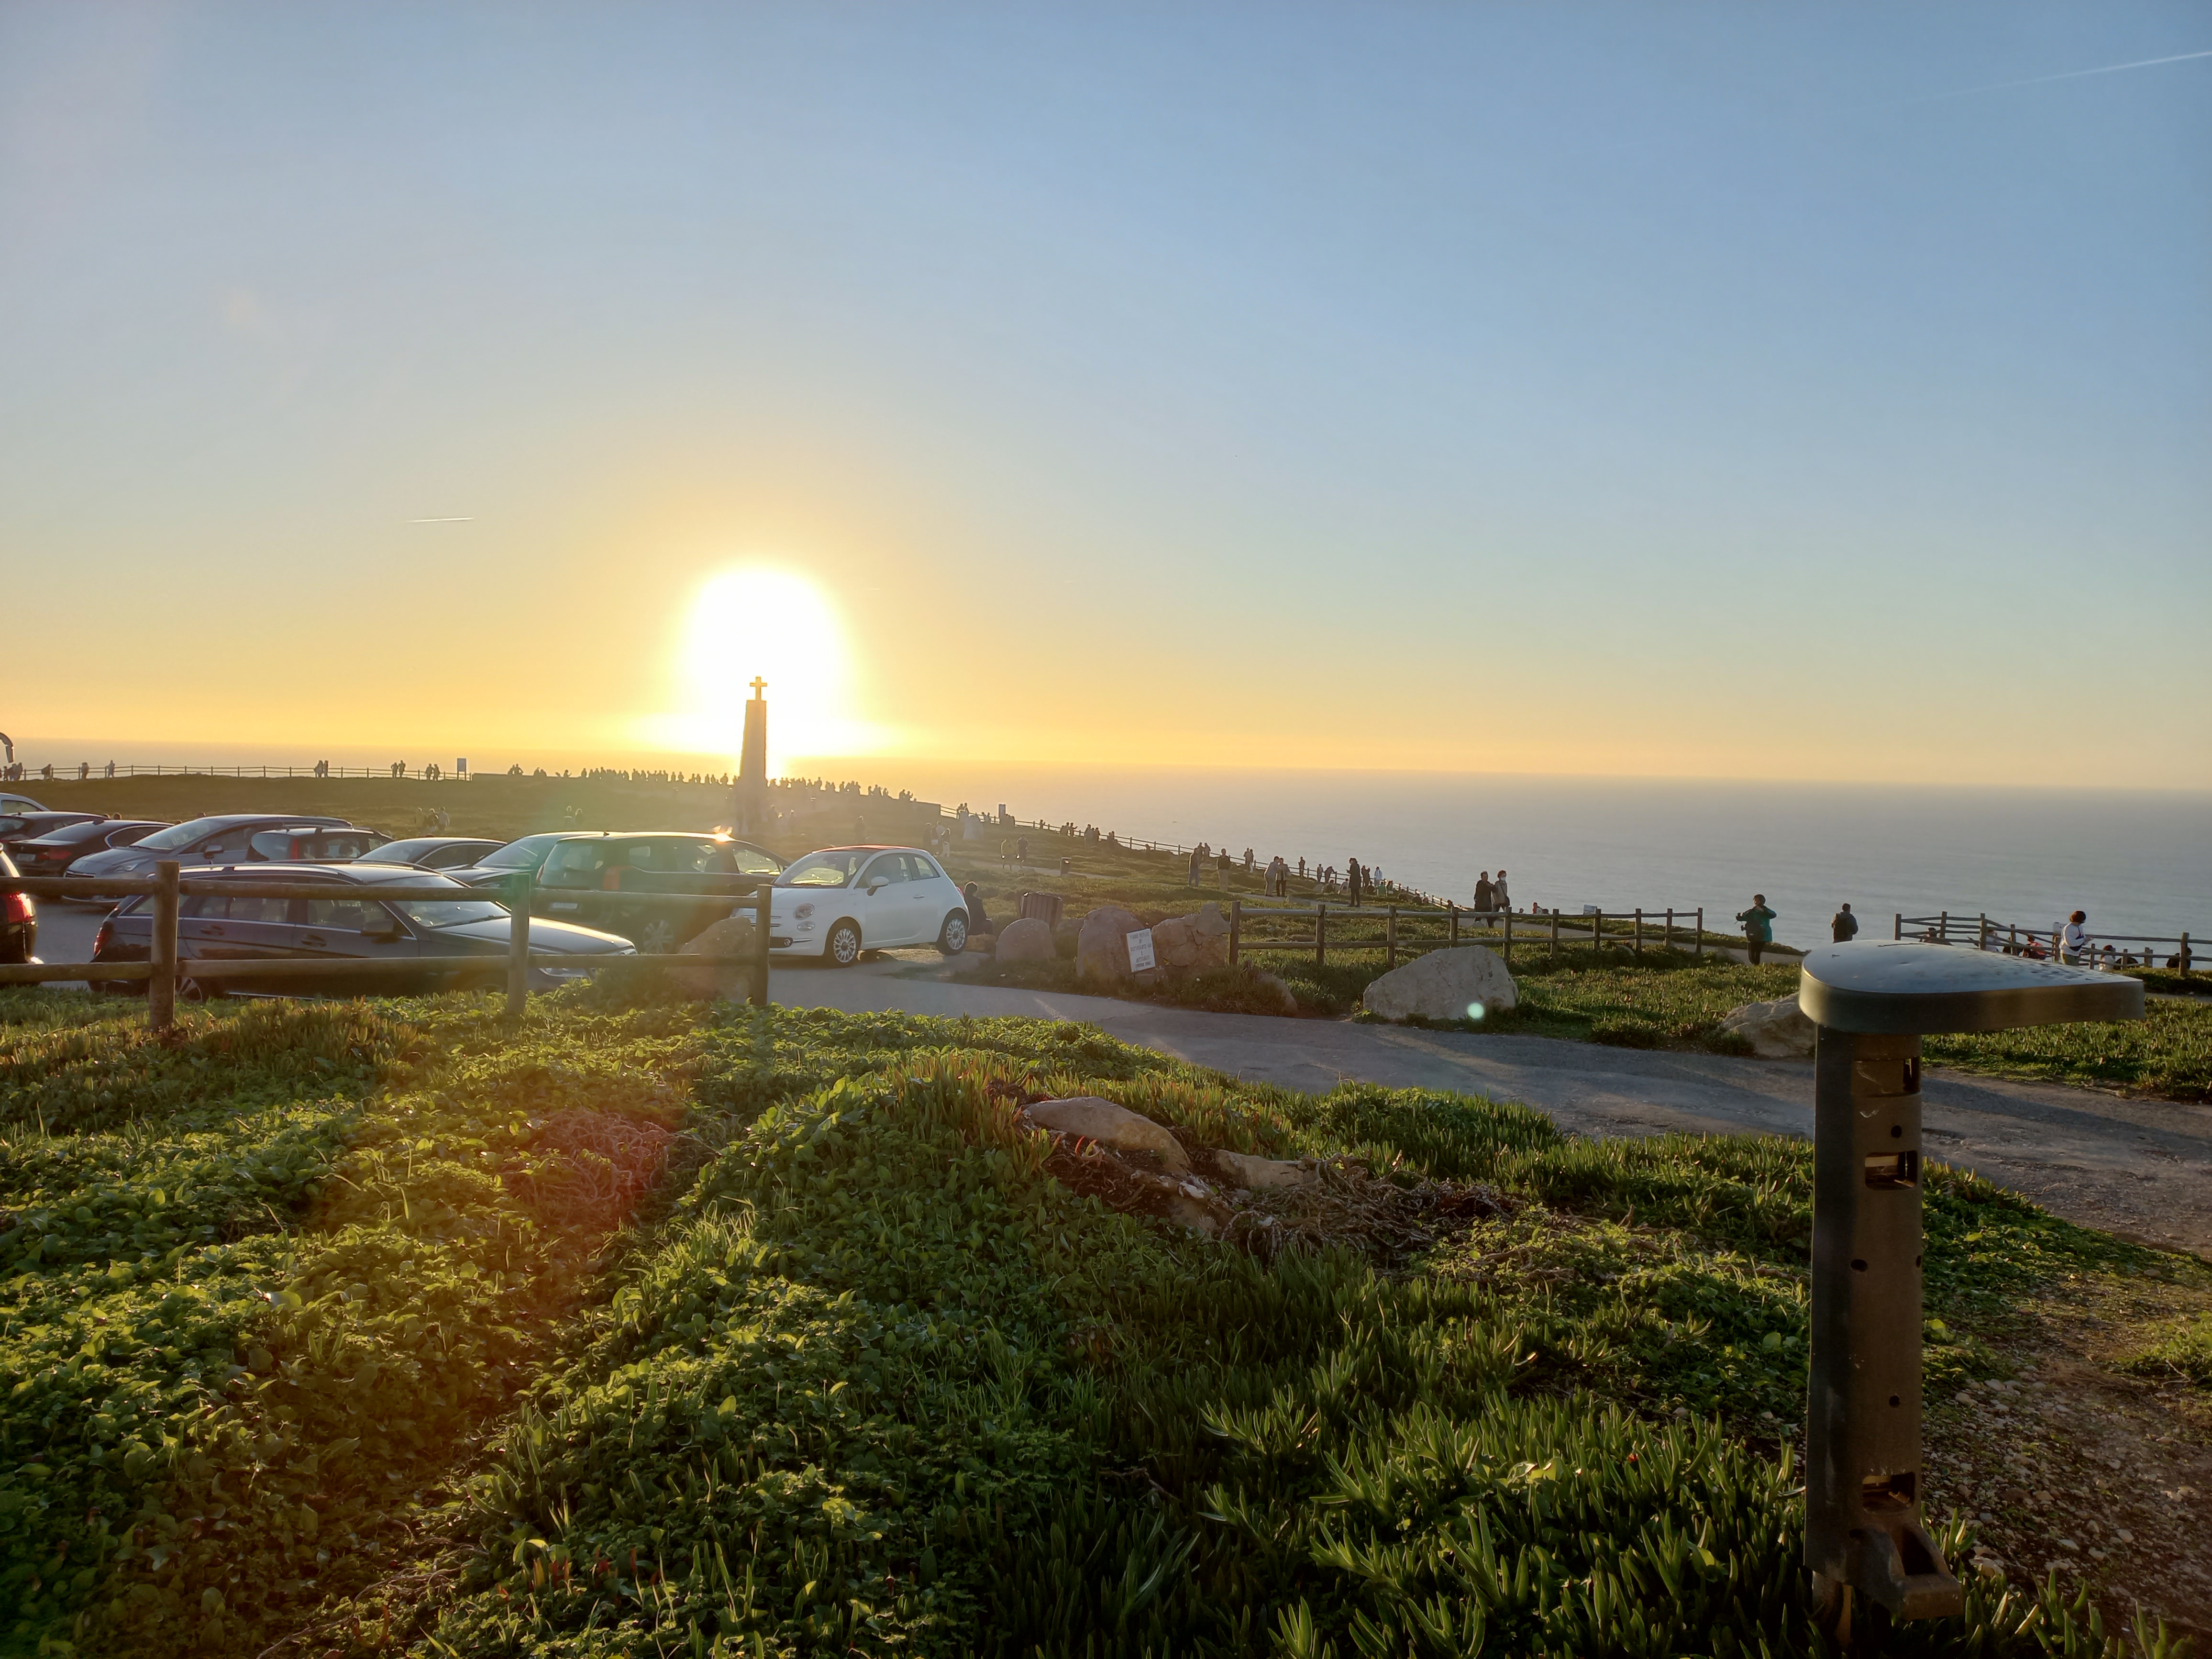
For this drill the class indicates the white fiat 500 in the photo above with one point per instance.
(845, 900)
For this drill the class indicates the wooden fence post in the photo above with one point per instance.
(518, 943)
(1321, 937)
(763, 923)
(1639, 930)
(1235, 928)
(1555, 936)
(1509, 941)
(1390, 941)
(1451, 928)
(1701, 933)
(1896, 926)
(1670, 928)
(2184, 953)
(161, 988)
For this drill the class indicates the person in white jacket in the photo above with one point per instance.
(2074, 938)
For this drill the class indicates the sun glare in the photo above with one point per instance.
(761, 622)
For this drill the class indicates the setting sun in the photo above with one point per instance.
(771, 624)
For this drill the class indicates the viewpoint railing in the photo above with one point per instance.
(168, 886)
(1411, 931)
(1979, 932)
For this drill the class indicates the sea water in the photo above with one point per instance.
(2137, 862)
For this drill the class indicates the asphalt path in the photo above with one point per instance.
(2139, 1168)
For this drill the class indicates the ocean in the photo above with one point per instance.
(2137, 862)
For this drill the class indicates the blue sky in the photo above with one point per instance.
(1710, 389)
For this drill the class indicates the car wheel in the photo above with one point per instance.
(196, 990)
(952, 938)
(844, 945)
(655, 938)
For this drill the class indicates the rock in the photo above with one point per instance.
(1026, 940)
(730, 937)
(1101, 946)
(1776, 1031)
(1182, 945)
(1111, 1125)
(1245, 1170)
(1441, 984)
(1290, 997)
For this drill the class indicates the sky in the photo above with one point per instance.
(1715, 390)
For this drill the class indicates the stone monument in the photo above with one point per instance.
(751, 818)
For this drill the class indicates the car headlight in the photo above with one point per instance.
(804, 911)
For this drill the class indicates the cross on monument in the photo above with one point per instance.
(759, 686)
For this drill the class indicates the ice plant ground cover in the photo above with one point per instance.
(655, 1329)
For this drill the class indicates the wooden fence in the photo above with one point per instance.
(1977, 932)
(1409, 931)
(167, 885)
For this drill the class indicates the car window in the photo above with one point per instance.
(178, 836)
(833, 869)
(519, 855)
(259, 906)
(392, 852)
(201, 907)
(922, 869)
(450, 913)
(348, 915)
(750, 861)
(11, 826)
(580, 858)
(690, 857)
(888, 868)
(449, 858)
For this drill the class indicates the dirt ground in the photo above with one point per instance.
(2071, 1465)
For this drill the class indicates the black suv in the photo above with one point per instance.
(352, 922)
(585, 878)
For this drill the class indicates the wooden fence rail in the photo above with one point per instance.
(1980, 933)
(1502, 927)
(167, 885)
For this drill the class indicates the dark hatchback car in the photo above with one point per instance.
(353, 922)
(17, 828)
(594, 880)
(225, 839)
(19, 920)
(52, 854)
(432, 852)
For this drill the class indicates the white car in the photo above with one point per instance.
(844, 900)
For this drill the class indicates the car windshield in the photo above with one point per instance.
(834, 869)
(450, 913)
(95, 830)
(181, 834)
(519, 855)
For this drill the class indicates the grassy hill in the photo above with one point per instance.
(654, 1328)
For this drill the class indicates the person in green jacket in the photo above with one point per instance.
(1757, 926)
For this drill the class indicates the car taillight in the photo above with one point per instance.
(16, 907)
(100, 939)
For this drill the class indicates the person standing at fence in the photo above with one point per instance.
(1843, 925)
(1486, 896)
(1352, 874)
(2074, 938)
(1758, 926)
(1197, 857)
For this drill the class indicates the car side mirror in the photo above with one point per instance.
(385, 926)
(877, 885)
(213, 850)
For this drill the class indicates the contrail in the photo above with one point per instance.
(470, 520)
(2070, 75)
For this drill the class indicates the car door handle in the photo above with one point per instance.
(211, 930)
(313, 939)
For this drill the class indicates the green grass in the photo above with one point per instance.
(304, 1340)
(2168, 1052)
(2181, 1348)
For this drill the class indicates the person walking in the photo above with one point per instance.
(1197, 854)
(1504, 900)
(1757, 926)
(1486, 896)
(1843, 925)
(1353, 874)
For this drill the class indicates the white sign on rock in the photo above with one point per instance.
(1140, 951)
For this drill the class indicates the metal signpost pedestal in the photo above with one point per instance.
(1872, 1560)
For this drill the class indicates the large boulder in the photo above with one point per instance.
(1182, 945)
(1776, 1031)
(1102, 946)
(1026, 940)
(1109, 1125)
(732, 936)
(1443, 985)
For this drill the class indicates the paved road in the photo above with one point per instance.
(2142, 1168)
